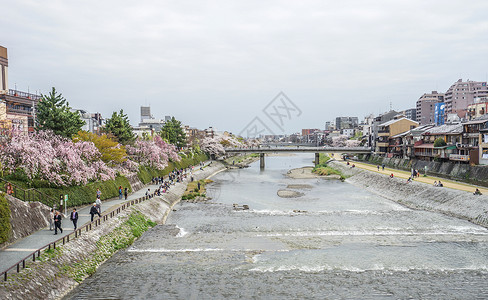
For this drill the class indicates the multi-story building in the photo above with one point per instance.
(17, 108)
(3, 71)
(425, 109)
(387, 143)
(410, 114)
(346, 122)
(451, 133)
(478, 108)
(461, 94)
(93, 121)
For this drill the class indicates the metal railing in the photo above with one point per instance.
(28, 195)
(78, 232)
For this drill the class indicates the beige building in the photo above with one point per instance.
(385, 143)
(3, 71)
(478, 108)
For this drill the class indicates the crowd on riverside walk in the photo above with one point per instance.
(175, 176)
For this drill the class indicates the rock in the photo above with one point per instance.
(289, 194)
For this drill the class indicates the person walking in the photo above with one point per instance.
(94, 211)
(74, 217)
(98, 204)
(125, 193)
(99, 194)
(120, 192)
(51, 219)
(57, 222)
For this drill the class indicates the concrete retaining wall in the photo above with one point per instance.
(461, 172)
(419, 195)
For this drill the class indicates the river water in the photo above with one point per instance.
(336, 241)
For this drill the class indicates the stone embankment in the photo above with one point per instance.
(460, 172)
(58, 271)
(417, 195)
(25, 218)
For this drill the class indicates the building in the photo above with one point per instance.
(410, 113)
(461, 94)
(17, 108)
(425, 108)
(346, 122)
(149, 125)
(451, 133)
(478, 108)
(3, 71)
(93, 121)
(388, 141)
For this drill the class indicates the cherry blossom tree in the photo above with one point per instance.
(59, 161)
(153, 153)
(212, 146)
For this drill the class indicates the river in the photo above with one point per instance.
(336, 241)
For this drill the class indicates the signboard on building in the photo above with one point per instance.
(439, 112)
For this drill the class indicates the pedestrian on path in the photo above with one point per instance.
(98, 204)
(125, 193)
(57, 222)
(477, 192)
(51, 219)
(99, 194)
(378, 167)
(74, 217)
(94, 211)
(120, 192)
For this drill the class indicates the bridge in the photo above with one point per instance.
(262, 150)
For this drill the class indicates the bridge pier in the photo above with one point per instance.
(261, 160)
(317, 158)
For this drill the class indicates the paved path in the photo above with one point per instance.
(405, 175)
(21, 248)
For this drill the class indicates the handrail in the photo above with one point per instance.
(28, 195)
(87, 227)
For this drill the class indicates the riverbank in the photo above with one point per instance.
(307, 173)
(60, 270)
(418, 195)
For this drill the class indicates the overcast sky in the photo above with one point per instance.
(219, 63)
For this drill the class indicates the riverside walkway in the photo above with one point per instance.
(405, 175)
(18, 250)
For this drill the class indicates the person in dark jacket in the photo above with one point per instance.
(74, 217)
(94, 211)
(125, 193)
(57, 222)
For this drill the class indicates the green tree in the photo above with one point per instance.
(173, 133)
(118, 125)
(53, 113)
(439, 142)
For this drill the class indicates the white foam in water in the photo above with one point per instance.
(174, 250)
(457, 230)
(182, 232)
(321, 268)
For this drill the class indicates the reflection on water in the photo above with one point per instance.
(344, 243)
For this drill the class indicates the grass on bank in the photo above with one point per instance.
(192, 190)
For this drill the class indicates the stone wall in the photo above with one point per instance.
(456, 171)
(25, 218)
(417, 195)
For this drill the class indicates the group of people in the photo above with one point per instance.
(177, 175)
(439, 184)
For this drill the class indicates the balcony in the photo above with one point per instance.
(459, 157)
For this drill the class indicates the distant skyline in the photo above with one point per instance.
(219, 63)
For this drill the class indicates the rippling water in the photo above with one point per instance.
(345, 243)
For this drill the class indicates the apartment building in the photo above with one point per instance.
(461, 94)
(425, 108)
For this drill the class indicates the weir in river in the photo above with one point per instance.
(334, 240)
